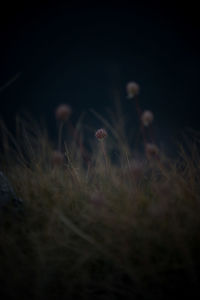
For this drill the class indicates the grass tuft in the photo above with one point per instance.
(131, 231)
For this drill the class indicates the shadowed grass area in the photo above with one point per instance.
(116, 230)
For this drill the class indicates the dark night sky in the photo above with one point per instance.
(78, 54)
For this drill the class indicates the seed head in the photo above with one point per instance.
(147, 117)
(132, 89)
(63, 112)
(152, 151)
(101, 134)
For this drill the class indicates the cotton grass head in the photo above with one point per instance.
(147, 118)
(63, 112)
(132, 89)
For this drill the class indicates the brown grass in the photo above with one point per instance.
(88, 233)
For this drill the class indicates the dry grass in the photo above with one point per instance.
(128, 230)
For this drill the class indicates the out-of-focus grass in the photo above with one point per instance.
(130, 230)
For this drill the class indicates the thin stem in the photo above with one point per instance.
(151, 132)
(139, 112)
(78, 140)
(60, 135)
(104, 154)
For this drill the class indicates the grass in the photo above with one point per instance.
(130, 231)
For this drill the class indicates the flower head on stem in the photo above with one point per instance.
(62, 114)
(132, 89)
(147, 118)
(101, 134)
(152, 151)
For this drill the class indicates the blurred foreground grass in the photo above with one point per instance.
(124, 230)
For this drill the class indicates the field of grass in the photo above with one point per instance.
(98, 227)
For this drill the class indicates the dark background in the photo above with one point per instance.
(79, 54)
